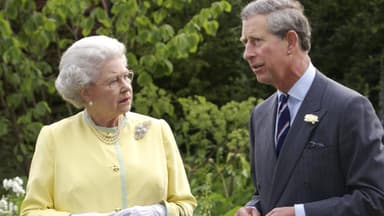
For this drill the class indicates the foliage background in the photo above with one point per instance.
(187, 56)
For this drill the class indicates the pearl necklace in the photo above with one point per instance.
(108, 138)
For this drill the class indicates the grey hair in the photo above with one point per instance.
(282, 16)
(81, 63)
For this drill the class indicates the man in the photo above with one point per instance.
(318, 151)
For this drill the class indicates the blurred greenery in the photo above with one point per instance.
(188, 61)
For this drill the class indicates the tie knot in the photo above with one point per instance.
(283, 98)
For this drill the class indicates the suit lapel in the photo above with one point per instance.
(297, 137)
(264, 143)
(268, 131)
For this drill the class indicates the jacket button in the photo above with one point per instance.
(115, 168)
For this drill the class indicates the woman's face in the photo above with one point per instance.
(111, 92)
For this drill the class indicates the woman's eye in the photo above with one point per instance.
(113, 81)
(126, 77)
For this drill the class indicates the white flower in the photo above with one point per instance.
(13, 207)
(141, 129)
(311, 118)
(16, 184)
(14, 194)
(7, 184)
(18, 180)
(3, 204)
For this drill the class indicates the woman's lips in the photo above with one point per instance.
(125, 100)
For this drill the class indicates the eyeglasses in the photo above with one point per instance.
(119, 79)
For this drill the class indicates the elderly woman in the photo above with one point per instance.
(104, 160)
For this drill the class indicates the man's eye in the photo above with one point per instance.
(256, 41)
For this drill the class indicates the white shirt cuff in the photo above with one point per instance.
(299, 210)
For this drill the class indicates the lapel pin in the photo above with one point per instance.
(311, 118)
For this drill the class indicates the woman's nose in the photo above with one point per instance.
(126, 85)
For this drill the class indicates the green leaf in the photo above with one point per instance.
(87, 25)
(164, 68)
(144, 79)
(148, 61)
(159, 2)
(161, 50)
(50, 24)
(5, 28)
(194, 40)
(4, 122)
(159, 15)
(65, 43)
(125, 8)
(221, 6)
(167, 32)
(132, 60)
(9, 54)
(41, 109)
(14, 100)
(11, 9)
(211, 27)
(144, 36)
(102, 17)
(142, 22)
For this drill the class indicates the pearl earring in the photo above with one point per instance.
(90, 103)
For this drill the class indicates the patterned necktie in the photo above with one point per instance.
(283, 122)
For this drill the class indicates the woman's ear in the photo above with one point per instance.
(85, 94)
(292, 39)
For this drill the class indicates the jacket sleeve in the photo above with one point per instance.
(180, 200)
(39, 194)
(361, 155)
(255, 200)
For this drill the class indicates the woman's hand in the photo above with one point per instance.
(93, 214)
(151, 210)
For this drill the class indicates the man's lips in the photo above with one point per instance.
(256, 67)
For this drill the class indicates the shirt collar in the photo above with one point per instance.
(301, 87)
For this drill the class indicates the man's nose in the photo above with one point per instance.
(248, 51)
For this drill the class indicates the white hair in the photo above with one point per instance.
(81, 62)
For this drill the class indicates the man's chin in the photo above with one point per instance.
(263, 79)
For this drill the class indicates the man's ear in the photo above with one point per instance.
(293, 39)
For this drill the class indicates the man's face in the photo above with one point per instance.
(265, 52)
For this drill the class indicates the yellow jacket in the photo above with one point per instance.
(73, 172)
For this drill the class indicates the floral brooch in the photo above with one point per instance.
(311, 118)
(141, 129)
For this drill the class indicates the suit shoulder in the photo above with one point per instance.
(340, 93)
(338, 88)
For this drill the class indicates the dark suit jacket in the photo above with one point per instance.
(334, 166)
